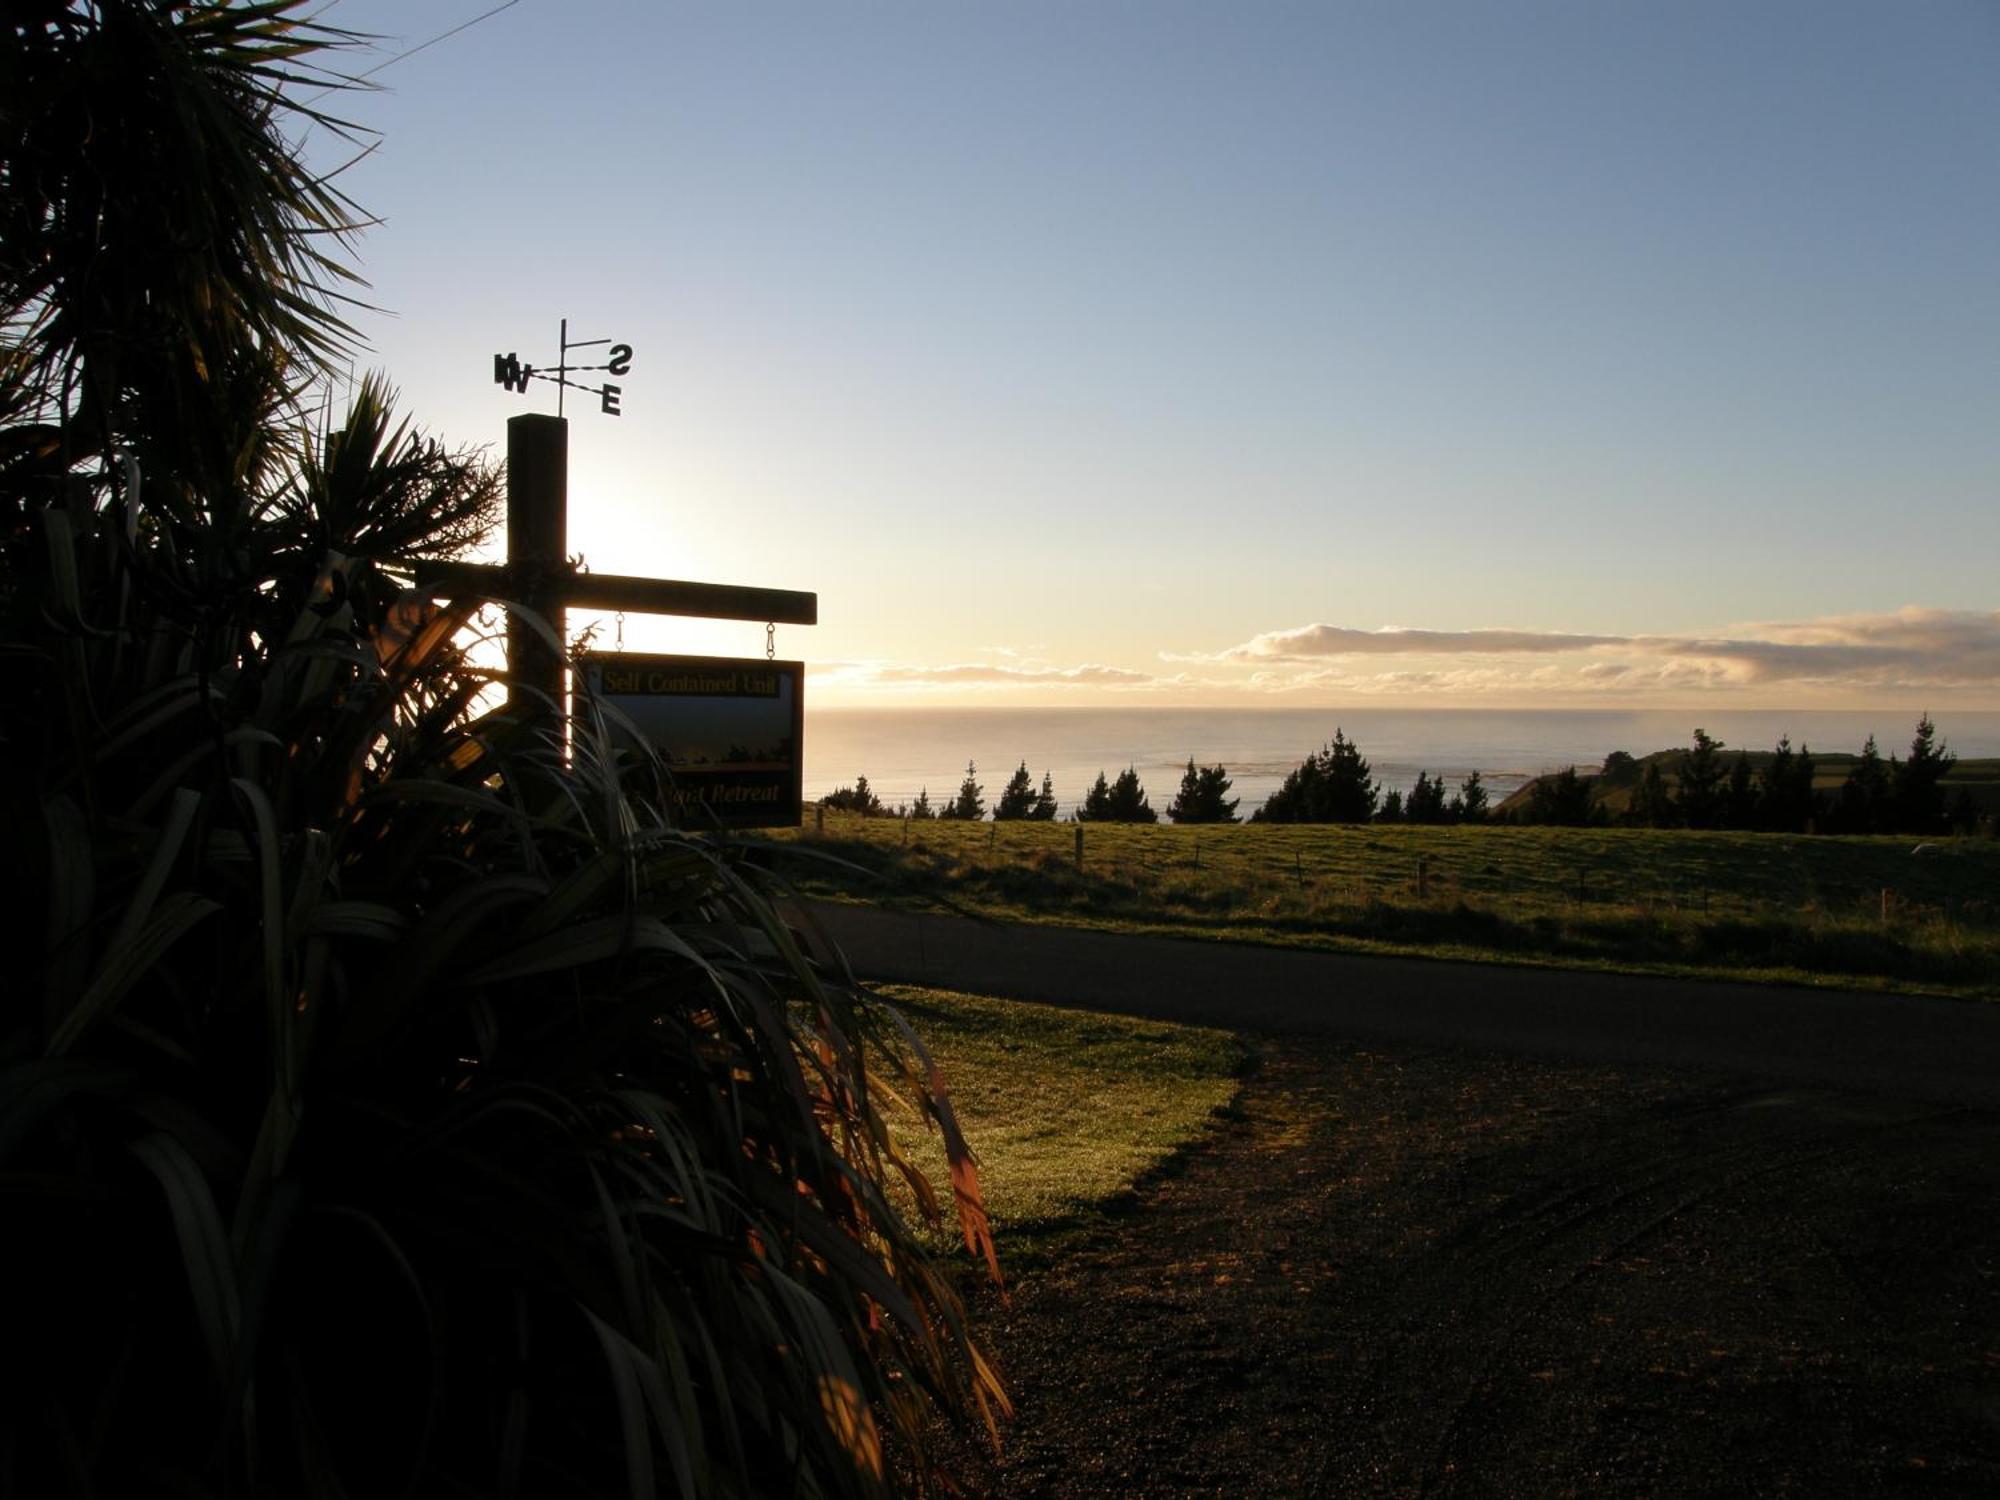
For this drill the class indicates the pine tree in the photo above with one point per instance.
(1017, 798)
(920, 810)
(1391, 810)
(1332, 786)
(1425, 804)
(1653, 803)
(1865, 805)
(1096, 802)
(968, 806)
(1786, 798)
(1739, 796)
(1700, 775)
(1471, 801)
(1918, 799)
(1562, 800)
(1044, 810)
(859, 798)
(1203, 797)
(1128, 799)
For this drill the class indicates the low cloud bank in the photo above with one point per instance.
(1908, 648)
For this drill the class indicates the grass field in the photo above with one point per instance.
(1827, 910)
(1065, 1109)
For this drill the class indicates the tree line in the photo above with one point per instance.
(1707, 790)
(1335, 784)
(1203, 798)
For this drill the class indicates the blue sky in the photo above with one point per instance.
(1164, 352)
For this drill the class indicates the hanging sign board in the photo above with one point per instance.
(731, 730)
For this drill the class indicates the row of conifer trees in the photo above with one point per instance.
(1203, 798)
(1336, 785)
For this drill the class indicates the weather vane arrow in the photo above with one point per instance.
(508, 371)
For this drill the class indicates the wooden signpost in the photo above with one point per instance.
(538, 576)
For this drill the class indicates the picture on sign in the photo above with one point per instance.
(731, 730)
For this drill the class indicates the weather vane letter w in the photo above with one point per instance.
(508, 371)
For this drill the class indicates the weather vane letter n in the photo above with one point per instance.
(508, 371)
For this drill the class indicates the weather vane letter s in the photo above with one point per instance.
(508, 371)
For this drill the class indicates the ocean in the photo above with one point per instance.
(904, 750)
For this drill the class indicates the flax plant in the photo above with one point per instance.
(393, 1099)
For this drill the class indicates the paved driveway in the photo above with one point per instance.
(1917, 1047)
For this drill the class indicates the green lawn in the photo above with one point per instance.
(1065, 1109)
(1774, 906)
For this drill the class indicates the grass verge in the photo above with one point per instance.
(1066, 1109)
(1843, 911)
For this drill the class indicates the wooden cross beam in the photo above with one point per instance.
(538, 575)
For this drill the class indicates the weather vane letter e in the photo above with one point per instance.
(508, 371)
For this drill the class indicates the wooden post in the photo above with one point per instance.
(538, 559)
(993, 836)
(906, 830)
(1885, 905)
(1079, 848)
(819, 817)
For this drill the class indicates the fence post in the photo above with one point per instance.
(1423, 877)
(819, 817)
(993, 836)
(906, 830)
(1885, 905)
(1079, 848)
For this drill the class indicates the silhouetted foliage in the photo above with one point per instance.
(1425, 804)
(1332, 786)
(1865, 804)
(1017, 797)
(1391, 809)
(396, 1100)
(1739, 794)
(1470, 805)
(1044, 810)
(1786, 800)
(969, 806)
(1700, 775)
(1562, 800)
(859, 798)
(921, 810)
(1203, 796)
(1620, 768)
(1918, 799)
(1120, 801)
(1653, 804)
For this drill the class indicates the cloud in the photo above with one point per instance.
(1911, 648)
(1311, 642)
(982, 673)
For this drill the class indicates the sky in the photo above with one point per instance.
(1503, 354)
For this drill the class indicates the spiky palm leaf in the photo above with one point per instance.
(388, 1103)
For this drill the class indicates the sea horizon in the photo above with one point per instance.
(906, 749)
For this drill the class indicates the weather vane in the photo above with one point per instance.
(510, 372)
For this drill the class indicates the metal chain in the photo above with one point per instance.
(621, 630)
(770, 641)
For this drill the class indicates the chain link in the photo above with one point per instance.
(621, 630)
(770, 641)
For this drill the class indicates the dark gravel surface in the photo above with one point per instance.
(1413, 1271)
